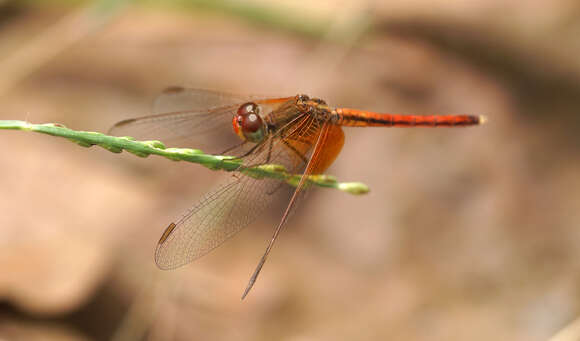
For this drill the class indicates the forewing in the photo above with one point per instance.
(230, 207)
(176, 99)
(217, 217)
(195, 118)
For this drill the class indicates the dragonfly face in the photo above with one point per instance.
(248, 124)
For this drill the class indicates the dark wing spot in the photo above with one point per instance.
(123, 122)
(173, 90)
(166, 234)
(120, 124)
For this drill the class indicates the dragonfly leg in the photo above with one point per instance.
(233, 147)
(269, 150)
(251, 150)
(300, 155)
(267, 161)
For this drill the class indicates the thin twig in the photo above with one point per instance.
(215, 162)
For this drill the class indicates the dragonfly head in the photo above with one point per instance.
(248, 124)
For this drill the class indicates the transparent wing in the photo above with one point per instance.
(176, 99)
(232, 206)
(216, 218)
(195, 118)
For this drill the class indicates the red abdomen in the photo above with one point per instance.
(360, 118)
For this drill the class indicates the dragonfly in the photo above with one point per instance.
(301, 133)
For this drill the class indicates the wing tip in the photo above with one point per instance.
(162, 262)
(159, 260)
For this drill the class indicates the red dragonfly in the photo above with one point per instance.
(301, 133)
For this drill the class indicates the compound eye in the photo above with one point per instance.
(248, 108)
(249, 117)
(250, 122)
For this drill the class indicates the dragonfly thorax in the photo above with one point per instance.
(248, 124)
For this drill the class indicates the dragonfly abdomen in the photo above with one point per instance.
(360, 118)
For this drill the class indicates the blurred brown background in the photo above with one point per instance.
(467, 234)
